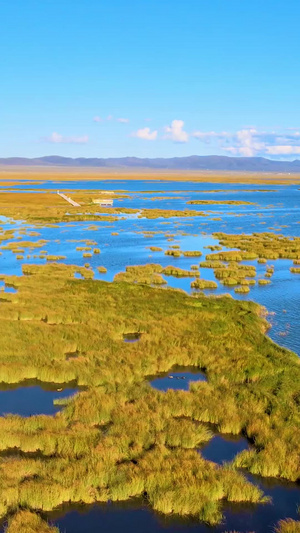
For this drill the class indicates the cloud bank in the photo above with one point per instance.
(250, 142)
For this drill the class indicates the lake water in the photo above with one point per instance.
(277, 210)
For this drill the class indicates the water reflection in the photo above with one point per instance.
(223, 448)
(177, 379)
(137, 516)
(32, 399)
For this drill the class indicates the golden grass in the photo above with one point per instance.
(18, 174)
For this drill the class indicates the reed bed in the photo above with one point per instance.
(120, 438)
(261, 245)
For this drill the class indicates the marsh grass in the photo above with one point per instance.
(242, 290)
(195, 253)
(287, 526)
(102, 269)
(203, 284)
(220, 202)
(173, 253)
(55, 257)
(261, 245)
(28, 522)
(120, 438)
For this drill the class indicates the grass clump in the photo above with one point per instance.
(203, 284)
(55, 257)
(155, 249)
(212, 264)
(179, 272)
(173, 253)
(287, 526)
(295, 270)
(244, 289)
(102, 269)
(264, 282)
(28, 522)
(193, 253)
(149, 274)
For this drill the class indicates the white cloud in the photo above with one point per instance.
(283, 150)
(109, 117)
(176, 133)
(251, 142)
(57, 138)
(123, 120)
(97, 119)
(146, 134)
(247, 143)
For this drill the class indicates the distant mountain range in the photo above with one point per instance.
(193, 162)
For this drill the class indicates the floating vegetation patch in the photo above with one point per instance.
(179, 272)
(173, 253)
(155, 249)
(264, 282)
(295, 270)
(102, 269)
(203, 284)
(194, 253)
(55, 257)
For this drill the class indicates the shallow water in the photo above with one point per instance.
(223, 448)
(177, 380)
(279, 209)
(32, 400)
(137, 517)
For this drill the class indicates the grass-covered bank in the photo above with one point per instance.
(120, 438)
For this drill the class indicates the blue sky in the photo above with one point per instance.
(150, 78)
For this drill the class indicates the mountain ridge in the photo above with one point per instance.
(193, 162)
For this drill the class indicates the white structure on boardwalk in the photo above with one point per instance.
(103, 202)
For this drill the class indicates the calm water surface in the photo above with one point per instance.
(32, 399)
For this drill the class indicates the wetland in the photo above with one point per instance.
(174, 404)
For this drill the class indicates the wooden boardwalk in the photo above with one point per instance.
(75, 204)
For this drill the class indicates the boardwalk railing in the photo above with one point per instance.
(75, 204)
